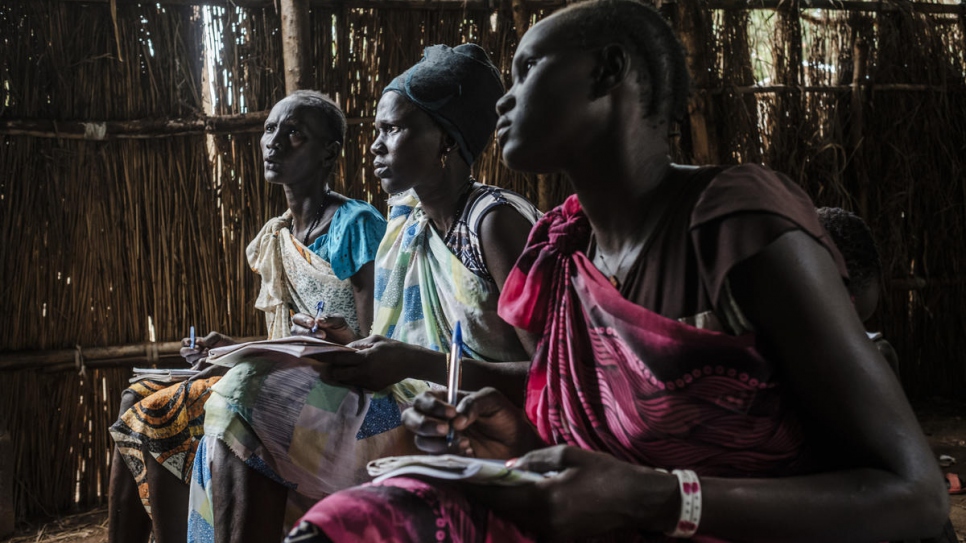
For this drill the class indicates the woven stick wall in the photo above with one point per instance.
(865, 108)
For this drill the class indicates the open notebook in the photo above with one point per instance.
(294, 346)
(163, 375)
(452, 468)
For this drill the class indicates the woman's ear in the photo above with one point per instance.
(448, 144)
(331, 154)
(613, 65)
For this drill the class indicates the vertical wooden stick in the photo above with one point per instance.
(694, 27)
(6, 484)
(117, 31)
(520, 17)
(295, 33)
(521, 21)
(860, 54)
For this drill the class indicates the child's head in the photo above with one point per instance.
(854, 240)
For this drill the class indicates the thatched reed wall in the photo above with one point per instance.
(864, 106)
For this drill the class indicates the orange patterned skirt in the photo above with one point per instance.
(168, 421)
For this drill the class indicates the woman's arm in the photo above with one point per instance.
(363, 282)
(792, 294)
(381, 362)
(503, 235)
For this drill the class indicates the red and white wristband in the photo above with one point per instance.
(690, 515)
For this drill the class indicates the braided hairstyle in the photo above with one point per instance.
(656, 53)
(854, 240)
(330, 111)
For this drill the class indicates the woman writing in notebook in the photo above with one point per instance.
(322, 247)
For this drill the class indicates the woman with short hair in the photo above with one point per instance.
(322, 247)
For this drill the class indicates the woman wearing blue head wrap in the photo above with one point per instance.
(448, 248)
(454, 87)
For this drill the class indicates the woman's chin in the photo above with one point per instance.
(519, 160)
(273, 176)
(391, 186)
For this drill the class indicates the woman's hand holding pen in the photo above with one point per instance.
(197, 355)
(487, 425)
(201, 346)
(332, 328)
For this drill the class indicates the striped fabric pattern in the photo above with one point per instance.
(167, 420)
(612, 376)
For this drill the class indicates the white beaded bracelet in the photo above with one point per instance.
(690, 515)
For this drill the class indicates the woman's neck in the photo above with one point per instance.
(618, 196)
(440, 201)
(304, 201)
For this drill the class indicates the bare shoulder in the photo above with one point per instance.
(503, 234)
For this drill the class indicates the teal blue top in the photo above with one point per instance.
(352, 239)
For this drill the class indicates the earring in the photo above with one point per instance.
(442, 158)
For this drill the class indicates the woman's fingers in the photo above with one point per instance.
(212, 340)
(441, 445)
(557, 458)
(368, 342)
(302, 325)
(429, 416)
(201, 345)
(303, 320)
(483, 403)
(332, 322)
(432, 445)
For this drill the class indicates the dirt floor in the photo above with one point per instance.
(945, 426)
(943, 422)
(89, 527)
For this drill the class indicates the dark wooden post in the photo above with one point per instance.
(521, 21)
(693, 30)
(6, 484)
(521, 17)
(295, 33)
(860, 55)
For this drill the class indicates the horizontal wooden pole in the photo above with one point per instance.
(832, 89)
(134, 129)
(145, 352)
(835, 5)
(919, 283)
(347, 4)
(141, 128)
(164, 361)
(253, 122)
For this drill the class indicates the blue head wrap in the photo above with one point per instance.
(458, 87)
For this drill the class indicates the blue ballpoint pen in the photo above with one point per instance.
(318, 313)
(454, 374)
